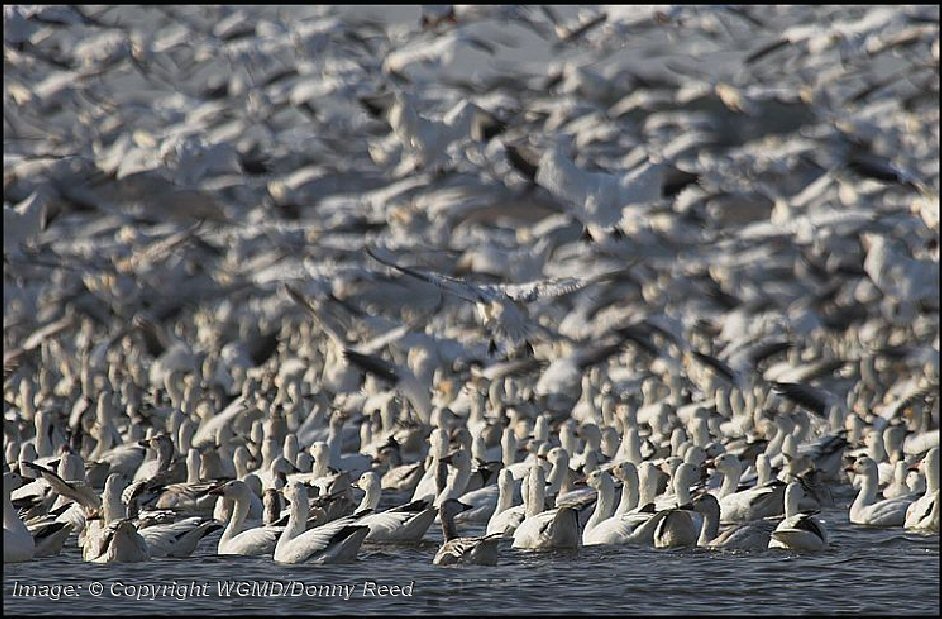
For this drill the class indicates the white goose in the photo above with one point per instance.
(898, 487)
(405, 523)
(467, 550)
(745, 505)
(545, 530)
(120, 543)
(49, 535)
(798, 531)
(604, 527)
(112, 537)
(97, 521)
(923, 515)
(753, 535)
(222, 510)
(189, 497)
(681, 525)
(18, 543)
(334, 542)
(483, 502)
(427, 488)
(506, 517)
(865, 509)
(234, 540)
(457, 481)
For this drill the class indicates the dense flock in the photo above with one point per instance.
(294, 281)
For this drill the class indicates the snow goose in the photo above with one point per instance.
(334, 542)
(865, 509)
(355, 464)
(468, 550)
(399, 477)
(605, 527)
(160, 467)
(221, 512)
(648, 476)
(681, 480)
(799, 531)
(506, 517)
(457, 481)
(923, 514)
(405, 523)
(753, 535)
(558, 458)
(627, 474)
(189, 497)
(680, 525)
(898, 487)
(500, 306)
(177, 539)
(427, 487)
(120, 542)
(751, 504)
(234, 540)
(592, 436)
(18, 543)
(49, 535)
(77, 491)
(545, 530)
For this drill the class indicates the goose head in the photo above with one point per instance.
(626, 472)
(234, 489)
(451, 508)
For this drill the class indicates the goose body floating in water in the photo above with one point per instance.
(798, 531)
(457, 550)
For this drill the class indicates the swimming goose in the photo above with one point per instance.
(923, 514)
(119, 542)
(236, 540)
(545, 530)
(101, 530)
(427, 488)
(334, 542)
(221, 512)
(627, 474)
(468, 550)
(680, 525)
(18, 542)
(865, 509)
(683, 477)
(605, 527)
(399, 477)
(898, 487)
(355, 464)
(506, 517)
(753, 535)
(189, 497)
(458, 481)
(799, 531)
(161, 467)
(405, 523)
(744, 505)
(177, 539)
(49, 535)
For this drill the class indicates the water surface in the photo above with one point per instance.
(867, 570)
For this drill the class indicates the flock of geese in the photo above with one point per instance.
(559, 313)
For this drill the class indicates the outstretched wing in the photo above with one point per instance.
(80, 493)
(322, 321)
(531, 291)
(457, 287)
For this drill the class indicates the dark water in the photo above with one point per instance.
(866, 570)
